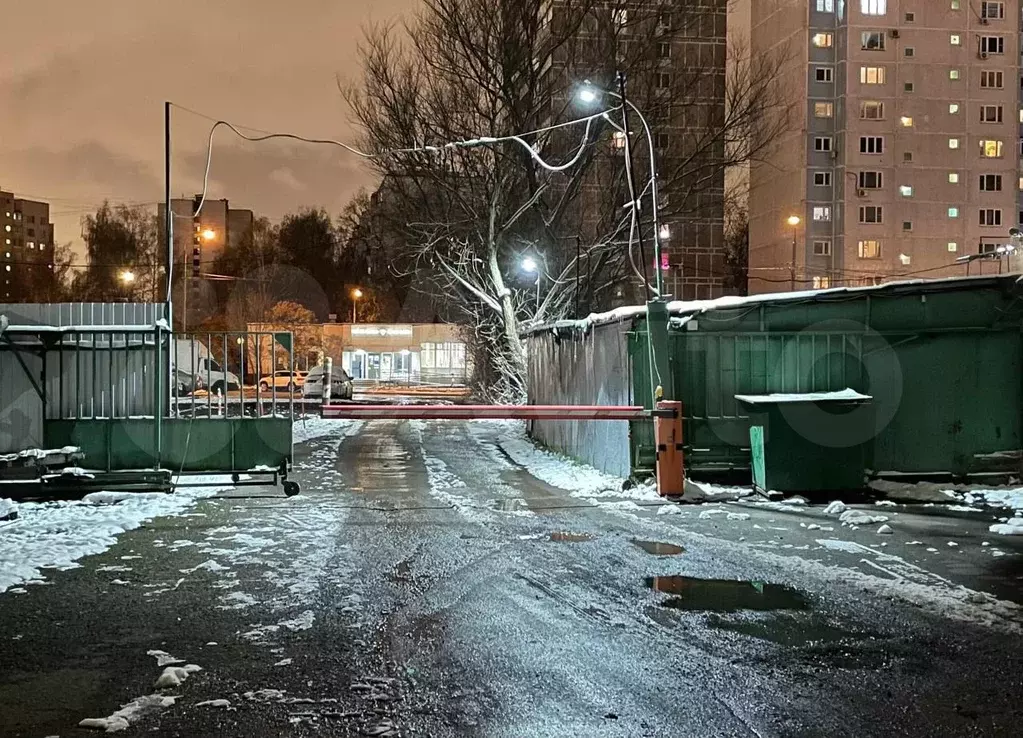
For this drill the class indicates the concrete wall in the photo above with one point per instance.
(583, 370)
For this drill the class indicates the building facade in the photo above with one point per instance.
(674, 56)
(220, 227)
(27, 248)
(902, 154)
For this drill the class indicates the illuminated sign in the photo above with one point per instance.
(381, 330)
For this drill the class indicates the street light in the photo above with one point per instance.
(794, 221)
(356, 294)
(209, 234)
(589, 93)
(529, 266)
(127, 276)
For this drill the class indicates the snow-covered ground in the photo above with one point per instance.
(976, 496)
(313, 426)
(55, 535)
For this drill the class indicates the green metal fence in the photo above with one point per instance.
(942, 361)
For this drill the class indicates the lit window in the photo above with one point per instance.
(8, 267)
(953, 143)
(872, 40)
(953, 246)
(905, 259)
(822, 213)
(955, 39)
(821, 248)
(7, 228)
(825, 6)
(1021, 115)
(31, 244)
(821, 283)
(872, 110)
(953, 74)
(8, 241)
(618, 140)
(905, 190)
(906, 121)
(955, 4)
(953, 212)
(872, 75)
(873, 7)
(953, 109)
(823, 40)
(823, 109)
(8, 254)
(1021, 183)
(953, 177)
(869, 249)
(990, 149)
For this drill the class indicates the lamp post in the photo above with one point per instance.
(127, 278)
(356, 294)
(794, 221)
(590, 94)
(530, 266)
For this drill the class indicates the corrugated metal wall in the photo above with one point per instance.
(583, 370)
(90, 379)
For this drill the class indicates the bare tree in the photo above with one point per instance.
(469, 214)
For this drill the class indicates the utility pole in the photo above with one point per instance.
(632, 179)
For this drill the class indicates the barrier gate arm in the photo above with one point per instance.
(667, 417)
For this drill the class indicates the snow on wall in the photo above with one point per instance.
(591, 369)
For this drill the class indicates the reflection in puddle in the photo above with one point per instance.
(725, 595)
(566, 537)
(659, 549)
(786, 630)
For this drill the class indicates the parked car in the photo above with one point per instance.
(341, 387)
(282, 380)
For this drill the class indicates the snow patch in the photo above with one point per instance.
(313, 426)
(301, 622)
(129, 713)
(221, 703)
(1013, 527)
(858, 517)
(836, 507)
(8, 509)
(173, 676)
(55, 535)
(885, 529)
(163, 658)
(703, 492)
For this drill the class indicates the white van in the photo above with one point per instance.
(340, 386)
(192, 358)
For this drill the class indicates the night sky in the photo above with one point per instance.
(82, 86)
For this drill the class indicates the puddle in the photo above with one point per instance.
(566, 537)
(786, 630)
(725, 595)
(658, 549)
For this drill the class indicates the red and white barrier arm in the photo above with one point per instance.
(486, 412)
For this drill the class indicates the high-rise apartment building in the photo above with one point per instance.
(904, 145)
(26, 245)
(220, 227)
(674, 54)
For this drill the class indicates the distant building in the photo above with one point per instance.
(220, 228)
(902, 153)
(27, 247)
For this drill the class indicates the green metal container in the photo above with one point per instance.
(812, 442)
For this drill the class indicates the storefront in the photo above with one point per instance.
(402, 354)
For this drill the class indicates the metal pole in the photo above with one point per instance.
(168, 226)
(632, 182)
(538, 272)
(792, 266)
(578, 249)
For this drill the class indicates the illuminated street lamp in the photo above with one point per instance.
(794, 221)
(530, 266)
(356, 294)
(209, 234)
(127, 276)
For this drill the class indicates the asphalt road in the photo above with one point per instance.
(426, 584)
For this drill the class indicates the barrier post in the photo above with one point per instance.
(668, 441)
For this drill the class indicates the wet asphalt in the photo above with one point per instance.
(424, 584)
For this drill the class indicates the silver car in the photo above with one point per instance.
(341, 387)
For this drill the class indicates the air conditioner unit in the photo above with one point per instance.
(861, 193)
(983, 21)
(895, 33)
(834, 154)
(982, 55)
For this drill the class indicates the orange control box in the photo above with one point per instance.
(668, 439)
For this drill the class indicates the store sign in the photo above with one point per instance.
(381, 330)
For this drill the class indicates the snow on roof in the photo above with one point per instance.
(846, 395)
(692, 307)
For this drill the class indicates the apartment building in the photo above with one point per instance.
(26, 247)
(674, 55)
(903, 151)
(220, 227)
